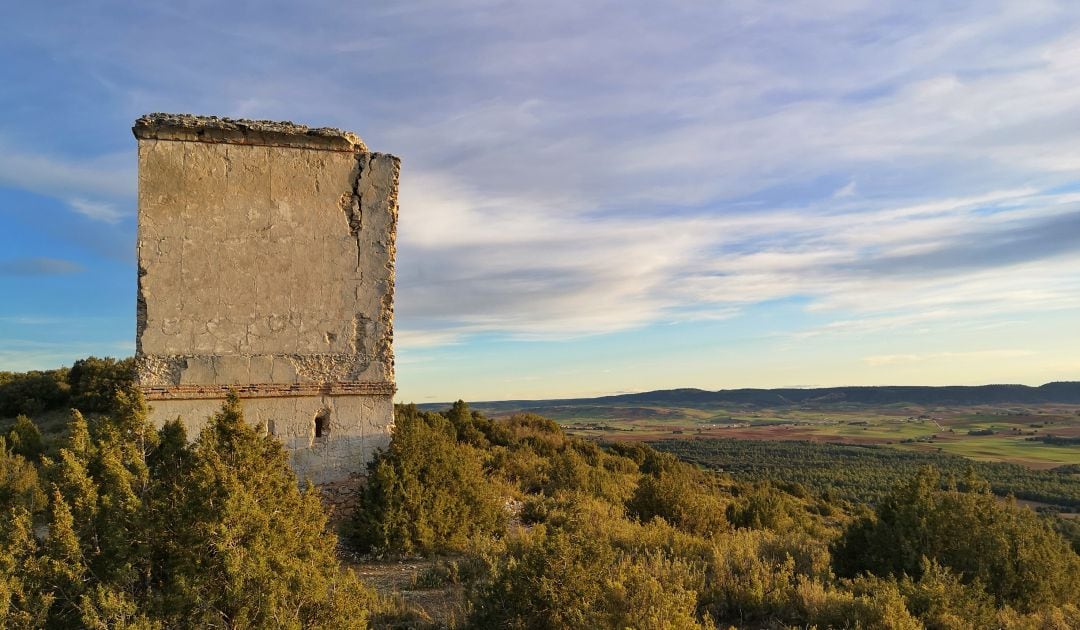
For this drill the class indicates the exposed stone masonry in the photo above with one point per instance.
(189, 128)
(266, 266)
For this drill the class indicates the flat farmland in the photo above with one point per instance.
(1036, 436)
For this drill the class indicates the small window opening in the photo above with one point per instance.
(321, 422)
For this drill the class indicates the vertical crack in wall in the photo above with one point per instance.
(352, 206)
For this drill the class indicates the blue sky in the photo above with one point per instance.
(599, 197)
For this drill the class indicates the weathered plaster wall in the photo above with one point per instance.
(266, 258)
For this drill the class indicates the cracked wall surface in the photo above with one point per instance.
(266, 257)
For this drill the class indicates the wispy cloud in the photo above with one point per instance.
(413, 339)
(845, 191)
(467, 267)
(533, 216)
(580, 168)
(892, 359)
(38, 266)
(99, 211)
(83, 182)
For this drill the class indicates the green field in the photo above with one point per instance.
(1006, 433)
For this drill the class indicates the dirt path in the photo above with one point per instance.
(439, 605)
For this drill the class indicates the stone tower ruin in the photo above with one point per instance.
(266, 266)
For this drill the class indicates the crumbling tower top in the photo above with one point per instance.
(191, 128)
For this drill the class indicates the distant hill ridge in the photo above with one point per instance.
(1064, 392)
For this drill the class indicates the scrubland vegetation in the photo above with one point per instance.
(87, 385)
(112, 524)
(627, 536)
(865, 474)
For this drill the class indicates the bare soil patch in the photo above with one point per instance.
(427, 607)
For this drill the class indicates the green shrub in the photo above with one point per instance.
(584, 467)
(652, 591)
(1012, 553)
(543, 436)
(856, 604)
(89, 385)
(24, 439)
(552, 578)
(148, 531)
(20, 487)
(427, 492)
(24, 598)
(1065, 617)
(1069, 528)
(942, 601)
(523, 468)
(465, 424)
(437, 575)
(32, 392)
(682, 496)
(764, 507)
(259, 553)
(94, 382)
(753, 574)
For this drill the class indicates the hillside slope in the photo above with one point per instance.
(1067, 392)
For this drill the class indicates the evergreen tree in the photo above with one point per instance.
(19, 484)
(255, 551)
(99, 539)
(25, 439)
(62, 567)
(146, 531)
(1018, 558)
(23, 601)
(94, 382)
(427, 492)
